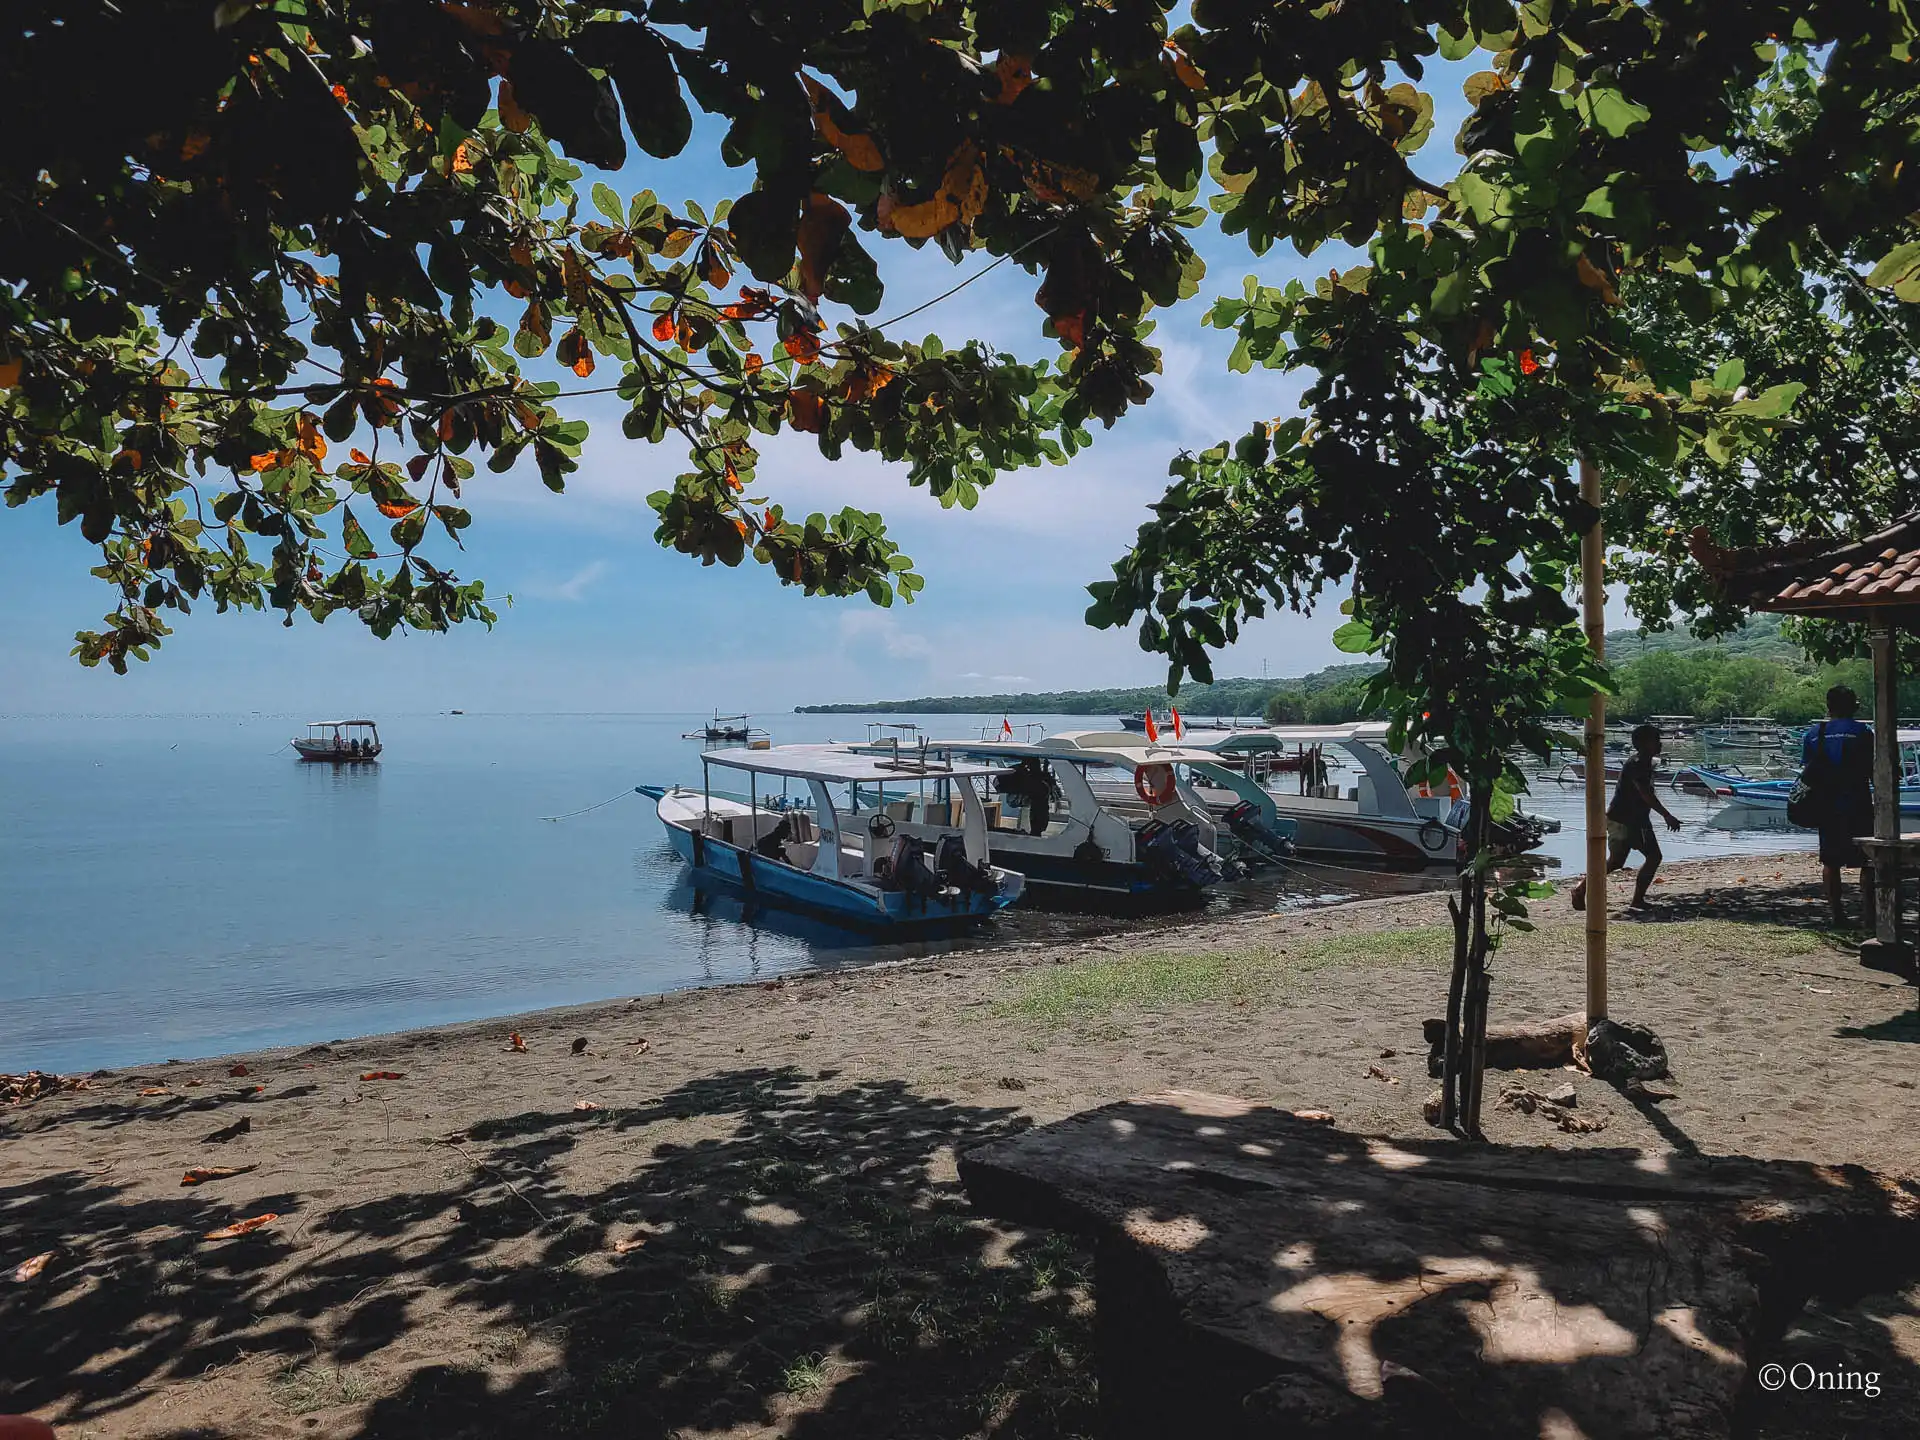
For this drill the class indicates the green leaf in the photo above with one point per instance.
(608, 204)
(1898, 264)
(1729, 375)
(355, 538)
(1605, 108)
(1356, 637)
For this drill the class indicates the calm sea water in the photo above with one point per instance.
(182, 886)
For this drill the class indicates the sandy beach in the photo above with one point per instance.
(734, 1212)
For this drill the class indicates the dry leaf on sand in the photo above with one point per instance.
(243, 1227)
(200, 1174)
(29, 1269)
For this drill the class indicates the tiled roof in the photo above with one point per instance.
(1819, 577)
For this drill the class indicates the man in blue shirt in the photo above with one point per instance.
(1838, 755)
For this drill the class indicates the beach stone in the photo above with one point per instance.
(1257, 1276)
(1562, 1095)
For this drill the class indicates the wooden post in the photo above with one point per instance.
(1886, 793)
(1593, 604)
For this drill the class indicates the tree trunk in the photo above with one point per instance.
(1465, 1060)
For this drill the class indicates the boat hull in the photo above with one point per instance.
(321, 755)
(1108, 878)
(772, 883)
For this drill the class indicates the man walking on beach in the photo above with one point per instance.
(1630, 819)
(1838, 757)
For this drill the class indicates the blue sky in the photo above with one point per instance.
(602, 619)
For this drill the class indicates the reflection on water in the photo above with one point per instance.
(1762, 818)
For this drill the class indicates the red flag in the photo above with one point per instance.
(1178, 729)
(1153, 730)
(1006, 728)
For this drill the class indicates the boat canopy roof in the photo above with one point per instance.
(335, 724)
(838, 763)
(1119, 748)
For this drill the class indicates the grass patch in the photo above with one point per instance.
(805, 1375)
(300, 1389)
(1158, 980)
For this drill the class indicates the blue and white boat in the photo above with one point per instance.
(838, 848)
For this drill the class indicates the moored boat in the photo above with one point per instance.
(339, 742)
(833, 854)
(1165, 845)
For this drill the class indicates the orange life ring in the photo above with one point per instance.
(1154, 784)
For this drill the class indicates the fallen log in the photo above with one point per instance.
(1537, 1045)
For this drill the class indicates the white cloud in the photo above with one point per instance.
(572, 589)
(864, 630)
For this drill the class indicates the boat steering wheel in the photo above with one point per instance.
(881, 827)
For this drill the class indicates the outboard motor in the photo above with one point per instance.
(1175, 851)
(1259, 839)
(950, 863)
(906, 868)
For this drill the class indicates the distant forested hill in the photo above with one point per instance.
(1756, 670)
(1222, 698)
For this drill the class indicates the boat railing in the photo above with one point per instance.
(920, 760)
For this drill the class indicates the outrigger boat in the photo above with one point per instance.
(846, 856)
(1044, 819)
(730, 730)
(340, 742)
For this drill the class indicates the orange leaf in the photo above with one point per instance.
(10, 373)
(395, 509)
(632, 1242)
(312, 443)
(387, 403)
(821, 226)
(237, 1070)
(1072, 328)
(30, 1269)
(959, 200)
(861, 151)
(1527, 363)
(514, 1042)
(802, 345)
(867, 382)
(585, 1105)
(677, 241)
(805, 410)
(360, 457)
(340, 93)
(511, 115)
(753, 363)
(155, 1090)
(200, 1174)
(712, 268)
(243, 1227)
(383, 1075)
(463, 157)
(129, 459)
(1184, 68)
(269, 460)
(741, 526)
(663, 326)
(733, 476)
(1594, 278)
(1015, 73)
(444, 430)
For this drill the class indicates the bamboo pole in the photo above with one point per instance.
(1593, 604)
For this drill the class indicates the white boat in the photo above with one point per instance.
(1346, 800)
(846, 854)
(1744, 732)
(340, 742)
(1165, 845)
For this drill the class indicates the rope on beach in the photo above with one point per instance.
(585, 808)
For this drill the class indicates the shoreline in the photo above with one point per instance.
(750, 1226)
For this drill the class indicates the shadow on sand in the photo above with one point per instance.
(807, 1264)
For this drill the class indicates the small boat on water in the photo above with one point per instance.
(1165, 846)
(730, 730)
(1744, 732)
(340, 742)
(845, 850)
